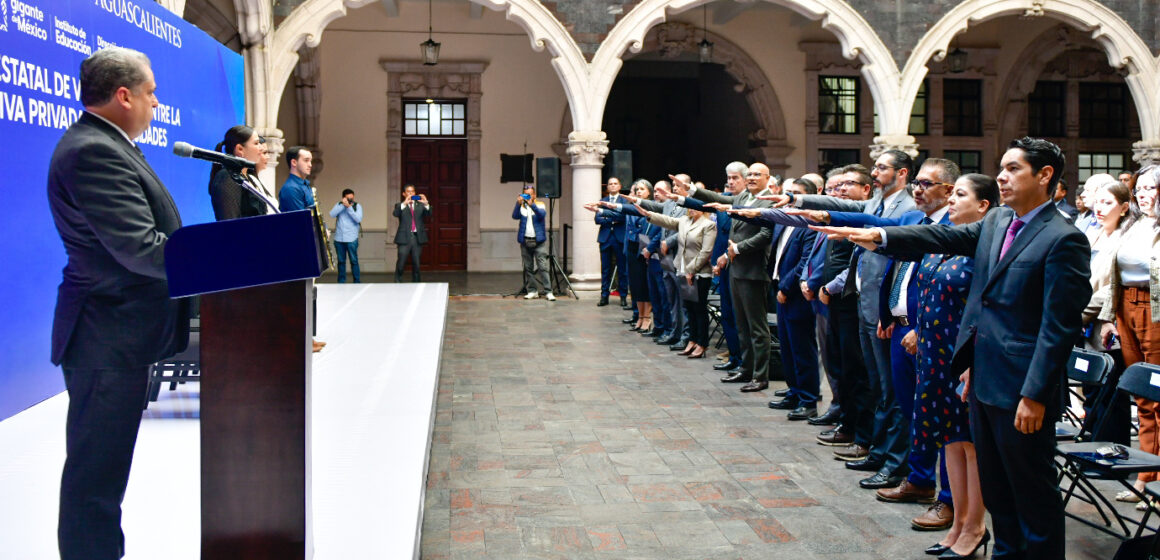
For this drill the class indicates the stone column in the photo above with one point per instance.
(903, 142)
(274, 150)
(587, 148)
(1146, 152)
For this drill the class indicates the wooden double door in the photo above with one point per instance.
(438, 169)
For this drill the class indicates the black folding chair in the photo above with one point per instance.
(1085, 367)
(1085, 462)
(183, 367)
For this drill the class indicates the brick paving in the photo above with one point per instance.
(559, 435)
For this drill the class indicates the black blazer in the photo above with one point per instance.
(231, 200)
(114, 217)
(403, 235)
(1024, 312)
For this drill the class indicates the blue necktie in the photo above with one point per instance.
(899, 278)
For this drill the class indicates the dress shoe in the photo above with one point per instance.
(866, 464)
(835, 437)
(802, 413)
(624, 302)
(695, 354)
(666, 341)
(628, 321)
(650, 332)
(880, 480)
(725, 366)
(678, 346)
(737, 376)
(936, 549)
(852, 452)
(788, 403)
(781, 392)
(603, 301)
(907, 493)
(754, 386)
(830, 418)
(938, 516)
(657, 333)
(949, 554)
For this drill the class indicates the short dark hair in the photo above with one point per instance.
(346, 192)
(984, 187)
(859, 169)
(1040, 153)
(109, 69)
(807, 185)
(901, 160)
(412, 185)
(293, 151)
(948, 170)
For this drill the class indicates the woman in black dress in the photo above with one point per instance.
(231, 200)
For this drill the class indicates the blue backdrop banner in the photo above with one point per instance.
(200, 86)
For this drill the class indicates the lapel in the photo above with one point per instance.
(1029, 231)
(133, 154)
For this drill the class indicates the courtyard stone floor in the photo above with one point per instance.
(559, 435)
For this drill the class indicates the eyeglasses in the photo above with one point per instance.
(847, 184)
(924, 184)
(883, 167)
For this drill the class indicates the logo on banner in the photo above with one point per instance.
(4, 15)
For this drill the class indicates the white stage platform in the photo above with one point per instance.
(373, 411)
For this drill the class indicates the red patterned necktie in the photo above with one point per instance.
(412, 217)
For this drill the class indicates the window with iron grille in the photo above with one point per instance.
(962, 107)
(438, 118)
(838, 98)
(970, 161)
(1091, 163)
(1047, 110)
(1103, 110)
(919, 120)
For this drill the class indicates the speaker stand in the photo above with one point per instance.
(555, 271)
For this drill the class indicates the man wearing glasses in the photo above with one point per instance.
(890, 442)
(931, 187)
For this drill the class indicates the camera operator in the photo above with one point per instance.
(348, 216)
(533, 242)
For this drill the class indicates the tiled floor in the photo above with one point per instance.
(558, 435)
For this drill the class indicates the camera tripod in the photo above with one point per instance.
(557, 278)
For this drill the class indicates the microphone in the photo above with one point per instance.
(184, 149)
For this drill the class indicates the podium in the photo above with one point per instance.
(254, 276)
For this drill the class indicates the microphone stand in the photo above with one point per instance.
(236, 175)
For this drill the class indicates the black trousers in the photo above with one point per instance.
(845, 360)
(104, 414)
(414, 250)
(1018, 483)
(697, 310)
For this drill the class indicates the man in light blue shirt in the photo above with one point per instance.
(348, 216)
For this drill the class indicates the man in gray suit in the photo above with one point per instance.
(113, 313)
(889, 445)
(412, 232)
(747, 258)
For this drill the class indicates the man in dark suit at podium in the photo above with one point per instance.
(412, 213)
(113, 313)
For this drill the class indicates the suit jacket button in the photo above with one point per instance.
(986, 303)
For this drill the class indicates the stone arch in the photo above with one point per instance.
(675, 38)
(1124, 48)
(305, 26)
(857, 38)
(1026, 71)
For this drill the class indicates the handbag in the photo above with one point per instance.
(688, 291)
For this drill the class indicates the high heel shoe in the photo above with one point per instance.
(949, 554)
(695, 354)
(647, 324)
(936, 549)
(687, 351)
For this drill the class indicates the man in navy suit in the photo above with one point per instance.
(1022, 317)
(795, 317)
(611, 240)
(113, 313)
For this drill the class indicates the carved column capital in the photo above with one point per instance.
(1146, 152)
(903, 142)
(587, 148)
